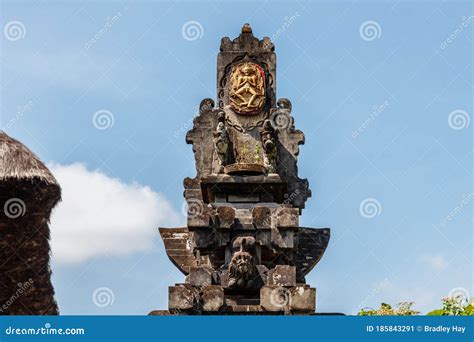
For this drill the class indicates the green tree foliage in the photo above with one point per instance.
(402, 309)
(454, 306)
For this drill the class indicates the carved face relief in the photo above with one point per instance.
(247, 88)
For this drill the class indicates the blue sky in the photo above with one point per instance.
(386, 117)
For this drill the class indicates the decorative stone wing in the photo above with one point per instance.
(179, 247)
(312, 243)
(290, 139)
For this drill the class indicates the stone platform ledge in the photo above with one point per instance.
(243, 313)
(210, 299)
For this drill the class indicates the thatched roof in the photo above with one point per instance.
(17, 162)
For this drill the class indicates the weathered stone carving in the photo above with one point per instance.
(269, 142)
(221, 143)
(242, 265)
(247, 88)
(242, 250)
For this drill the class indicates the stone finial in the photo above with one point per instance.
(246, 28)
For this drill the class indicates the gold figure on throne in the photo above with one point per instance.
(247, 88)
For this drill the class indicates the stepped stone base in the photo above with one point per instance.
(186, 299)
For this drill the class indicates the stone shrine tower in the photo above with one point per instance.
(243, 251)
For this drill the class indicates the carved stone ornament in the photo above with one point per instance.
(221, 143)
(247, 88)
(269, 140)
(242, 265)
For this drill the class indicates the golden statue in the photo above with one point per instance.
(247, 88)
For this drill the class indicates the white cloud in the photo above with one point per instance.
(100, 215)
(436, 262)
